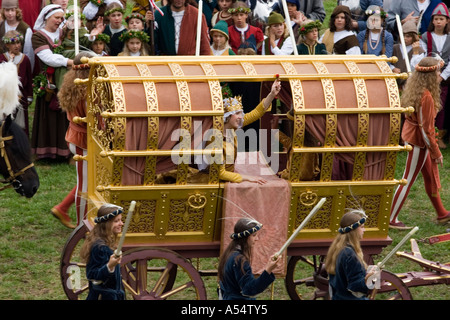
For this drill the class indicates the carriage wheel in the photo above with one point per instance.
(73, 272)
(304, 279)
(391, 288)
(157, 274)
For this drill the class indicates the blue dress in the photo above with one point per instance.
(242, 286)
(388, 43)
(103, 285)
(350, 277)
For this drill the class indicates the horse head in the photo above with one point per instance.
(15, 159)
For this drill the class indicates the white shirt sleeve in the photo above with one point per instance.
(286, 48)
(354, 50)
(51, 59)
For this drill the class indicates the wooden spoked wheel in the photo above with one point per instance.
(304, 279)
(156, 274)
(391, 288)
(72, 270)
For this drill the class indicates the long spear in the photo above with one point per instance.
(76, 19)
(390, 254)
(402, 41)
(199, 27)
(288, 23)
(152, 27)
(118, 251)
(300, 227)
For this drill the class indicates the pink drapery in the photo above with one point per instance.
(269, 204)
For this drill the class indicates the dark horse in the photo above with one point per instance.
(15, 160)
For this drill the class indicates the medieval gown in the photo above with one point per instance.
(50, 122)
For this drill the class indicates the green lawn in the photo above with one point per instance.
(31, 240)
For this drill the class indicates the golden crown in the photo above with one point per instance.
(232, 104)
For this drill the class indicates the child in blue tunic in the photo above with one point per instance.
(344, 261)
(237, 281)
(375, 39)
(102, 265)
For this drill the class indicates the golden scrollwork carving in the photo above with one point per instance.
(308, 198)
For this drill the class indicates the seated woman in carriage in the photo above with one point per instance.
(234, 118)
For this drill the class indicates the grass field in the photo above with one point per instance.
(31, 240)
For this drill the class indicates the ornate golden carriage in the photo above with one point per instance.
(145, 112)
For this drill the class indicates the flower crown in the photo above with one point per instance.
(111, 11)
(13, 39)
(102, 37)
(135, 15)
(309, 27)
(380, 12)
(127, 35)
(69, 14)
(97, 3)
(239, 10)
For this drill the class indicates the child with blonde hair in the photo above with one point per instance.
(345, 263)
(134, 43)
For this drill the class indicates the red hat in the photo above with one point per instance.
(441, 9)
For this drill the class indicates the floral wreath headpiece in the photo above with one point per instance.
(437, 66)
(13, 39)
(69, 14)
(383, 14)
(247, 232)
(130, 34)
(102, 37)
(109, 216)
(97, 3)
(111, 11)
(355, 225)
(310, 26)
(239, 10)
(135, 15)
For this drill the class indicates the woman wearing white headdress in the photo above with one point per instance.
(50, 124)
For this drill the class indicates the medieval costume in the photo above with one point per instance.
(237, 281)
(283, 44)
(176, 33)
(433, 42)
(340, 41)
(242, 285)
(103, 284)
(375, 39)
(221, 27)
(409, 28)
(349, 277)
(23, 65)
(344, 260)
(23, 28)
(93, 9)
(50, 123)
(244, 32)
(307, 46)
(230, 145)
(419, 131)
(102, 262)
(115, 42)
